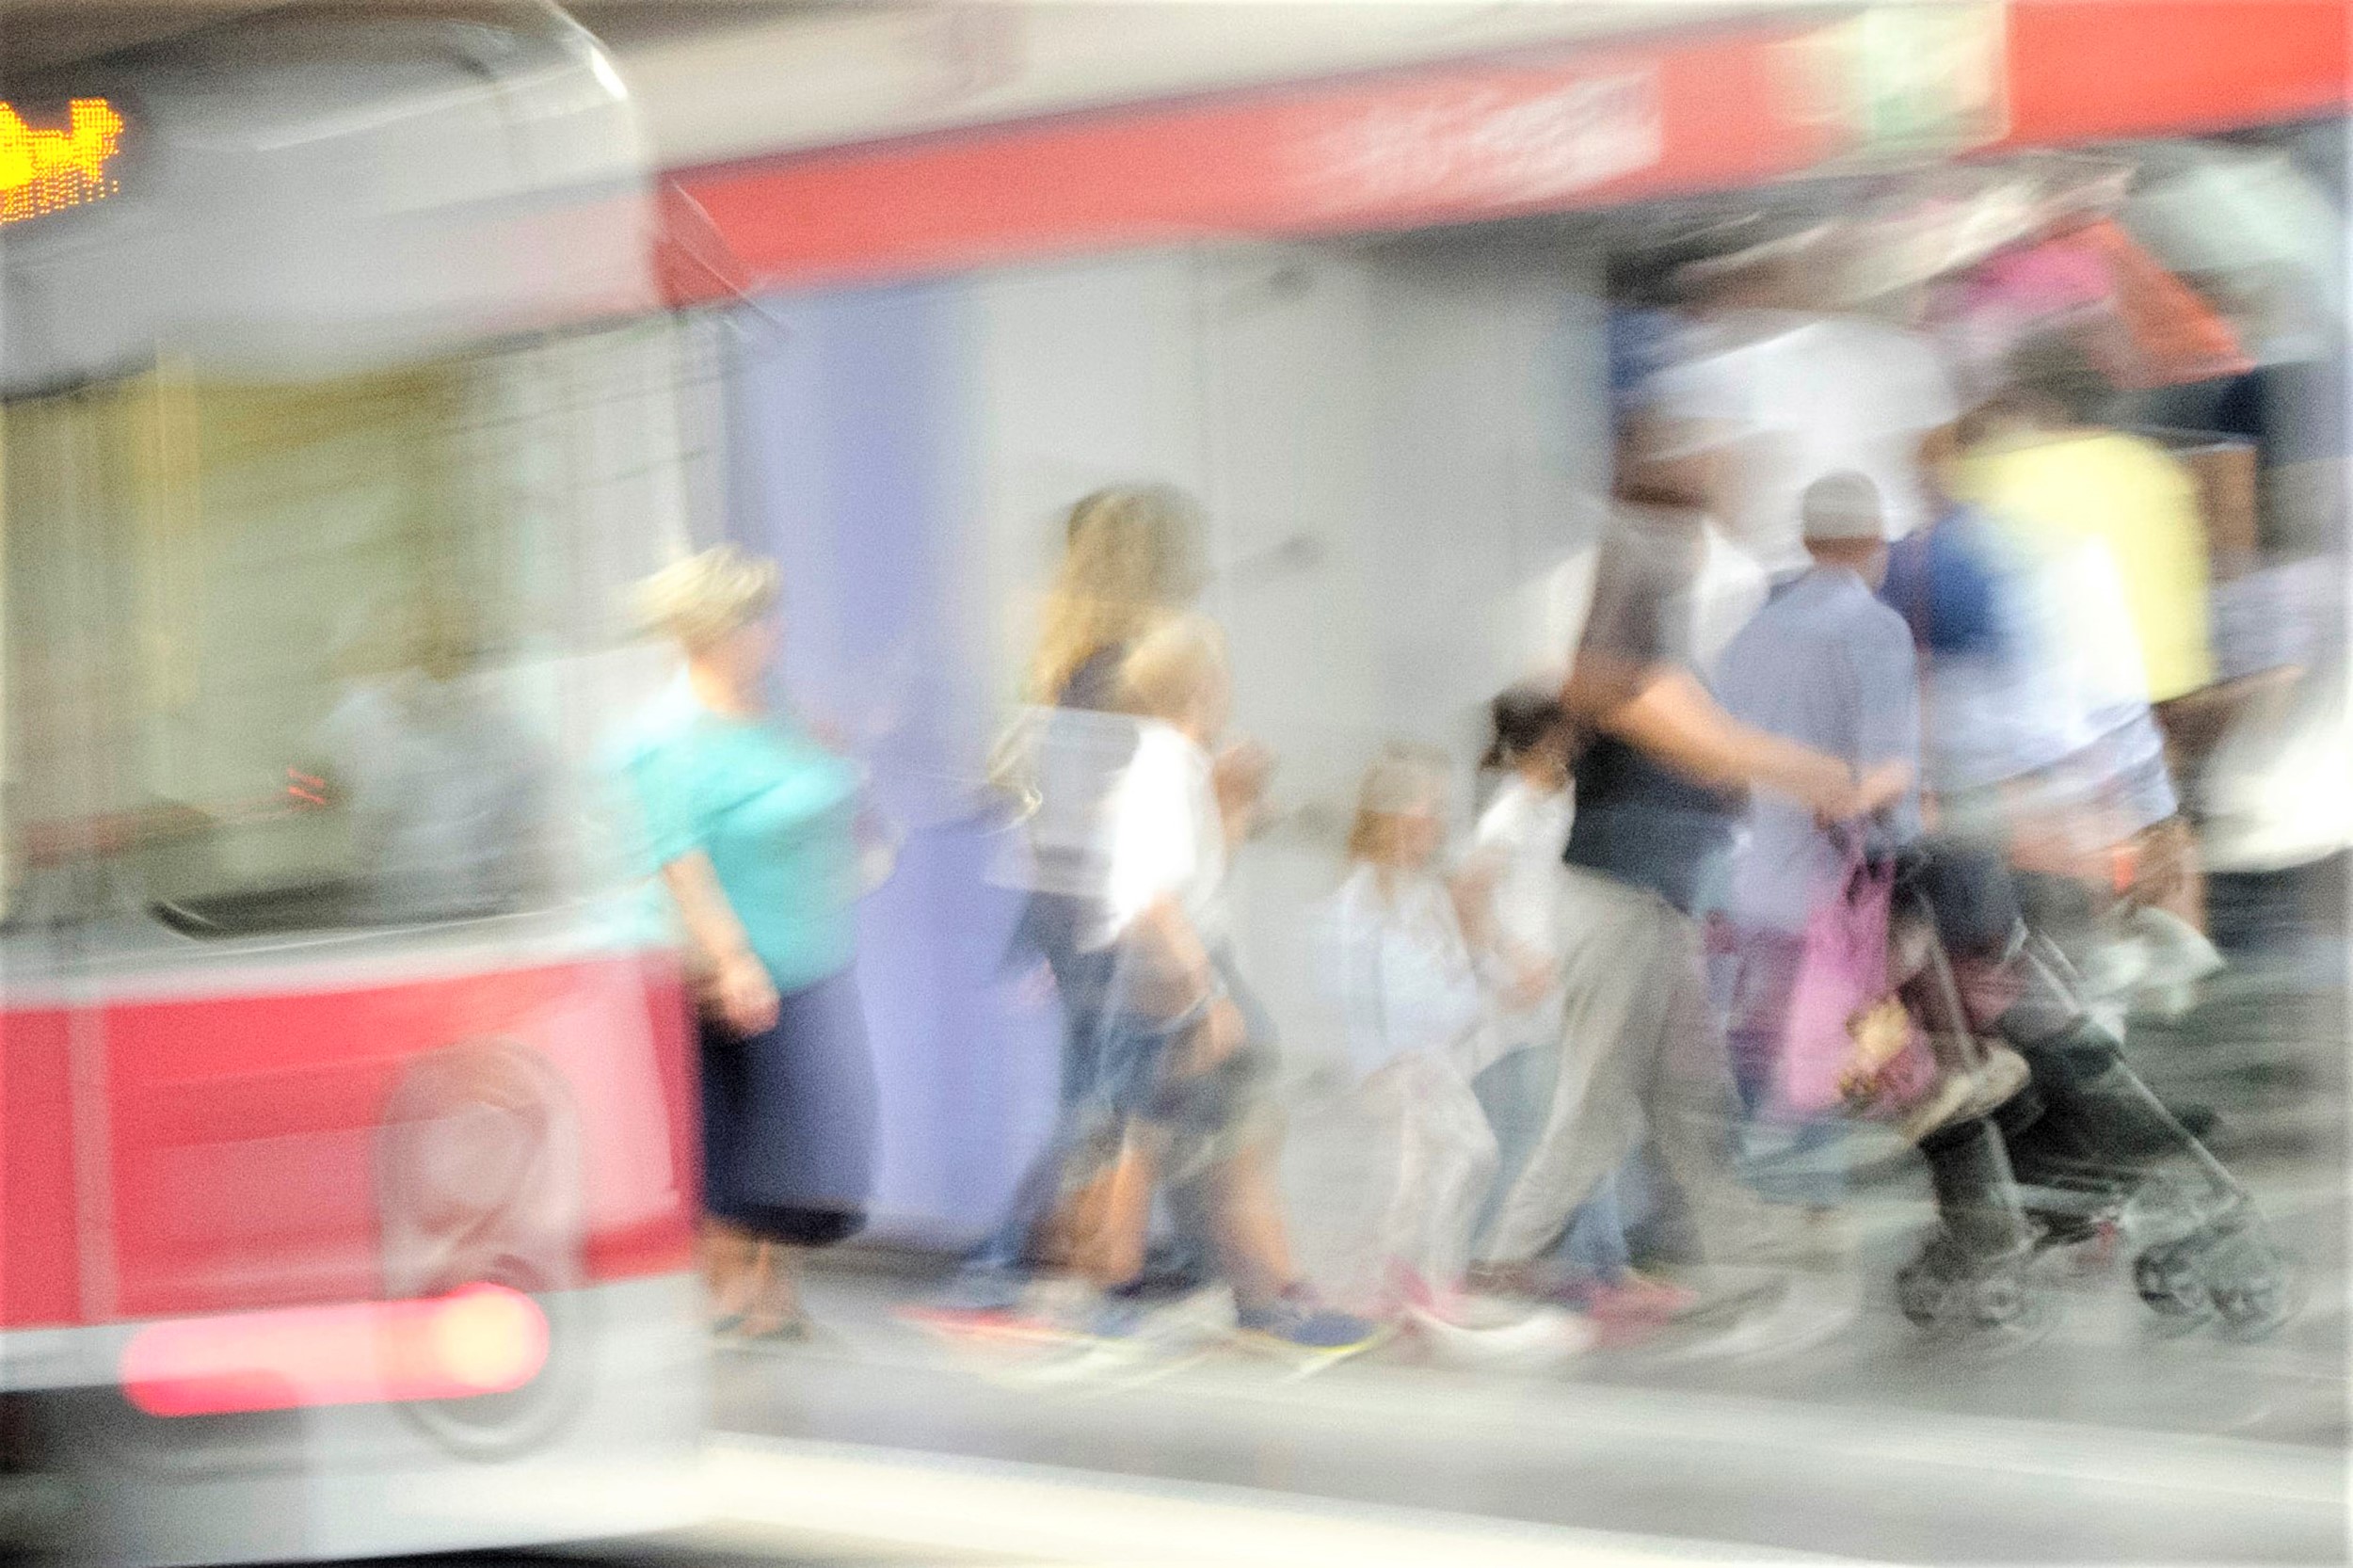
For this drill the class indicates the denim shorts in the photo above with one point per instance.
(1143, 1077)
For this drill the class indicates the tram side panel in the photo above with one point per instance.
(260, 1137)
(40, 1250)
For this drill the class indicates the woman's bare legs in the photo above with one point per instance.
(754, 1282)
(728, 1259)
(774, 1297)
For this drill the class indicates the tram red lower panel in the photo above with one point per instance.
(39, 1251)
(239, 1133)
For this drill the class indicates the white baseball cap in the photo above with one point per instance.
(1842, 507)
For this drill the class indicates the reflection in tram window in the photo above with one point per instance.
(305, 656)
(444, 783)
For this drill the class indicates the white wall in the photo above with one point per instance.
(1086, 374)
(1417, 421)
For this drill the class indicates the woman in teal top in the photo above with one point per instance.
(751, 823)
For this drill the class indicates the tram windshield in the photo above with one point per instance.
(289, 656)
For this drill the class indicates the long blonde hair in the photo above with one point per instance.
(1133, 556)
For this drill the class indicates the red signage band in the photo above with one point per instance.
(2083, 71)
(1588, 127)
(1443, 144)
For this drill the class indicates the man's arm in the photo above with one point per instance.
(1671, 717)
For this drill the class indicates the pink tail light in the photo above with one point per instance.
(481, 1339)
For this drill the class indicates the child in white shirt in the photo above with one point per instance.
(1419, 1025)
(1514, 873)
(1187, 1049)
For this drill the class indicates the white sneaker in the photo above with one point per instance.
(1810, 1311)
(1503, 1336)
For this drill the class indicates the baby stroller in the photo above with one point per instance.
(2082, 1149)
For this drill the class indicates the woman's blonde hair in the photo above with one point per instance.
(704, 597)
(1132, 555)
(1400, 780)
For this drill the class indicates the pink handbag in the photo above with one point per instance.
(1847, 1044)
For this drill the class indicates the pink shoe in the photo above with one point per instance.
(1409, 1294)
(1635, 1298)
(981, 1325)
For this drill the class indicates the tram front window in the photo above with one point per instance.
(285, 657)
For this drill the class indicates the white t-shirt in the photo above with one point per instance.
(1806, 396)
(1165, 837)
(1404, 974)
(2091, 621)
(1526, 833)
(2096, 678)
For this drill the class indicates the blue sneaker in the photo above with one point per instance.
(1296, 1324)
(1113, 1321)
(985, 1287)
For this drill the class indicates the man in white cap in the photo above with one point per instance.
(1829, 665)
(1826, 664)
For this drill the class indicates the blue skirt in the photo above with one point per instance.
(789, 1118)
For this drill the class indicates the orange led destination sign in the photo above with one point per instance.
(43, 169)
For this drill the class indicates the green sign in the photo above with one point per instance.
(1926, 76)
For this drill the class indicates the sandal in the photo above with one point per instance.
(793, 1330)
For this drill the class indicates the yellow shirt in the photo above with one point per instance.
(2129, 495)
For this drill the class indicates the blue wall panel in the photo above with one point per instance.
(850, 462)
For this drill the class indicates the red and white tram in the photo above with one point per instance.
(346, 1149)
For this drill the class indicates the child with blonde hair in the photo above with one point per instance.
(1419, 1024)
(1183, 1089)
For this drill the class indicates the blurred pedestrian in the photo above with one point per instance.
(1188, 1049)
(1420, 1026)
(1658, 789)
(1826, 664)
(752, 827)
(446, 784)
(1515, 869)
(1132, 557)
(2112, 522)
(1994, 712)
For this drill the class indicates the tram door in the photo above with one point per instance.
(66, 489)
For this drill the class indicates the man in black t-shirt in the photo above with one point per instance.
(1659, 785)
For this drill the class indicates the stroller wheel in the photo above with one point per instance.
(1986, 1301)
(1924, 1284)
(2255, 1287)
(2170, 1281)
(2255, 1308)
(1999, 1301)
(1921, 1294)
(2005, 1308)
